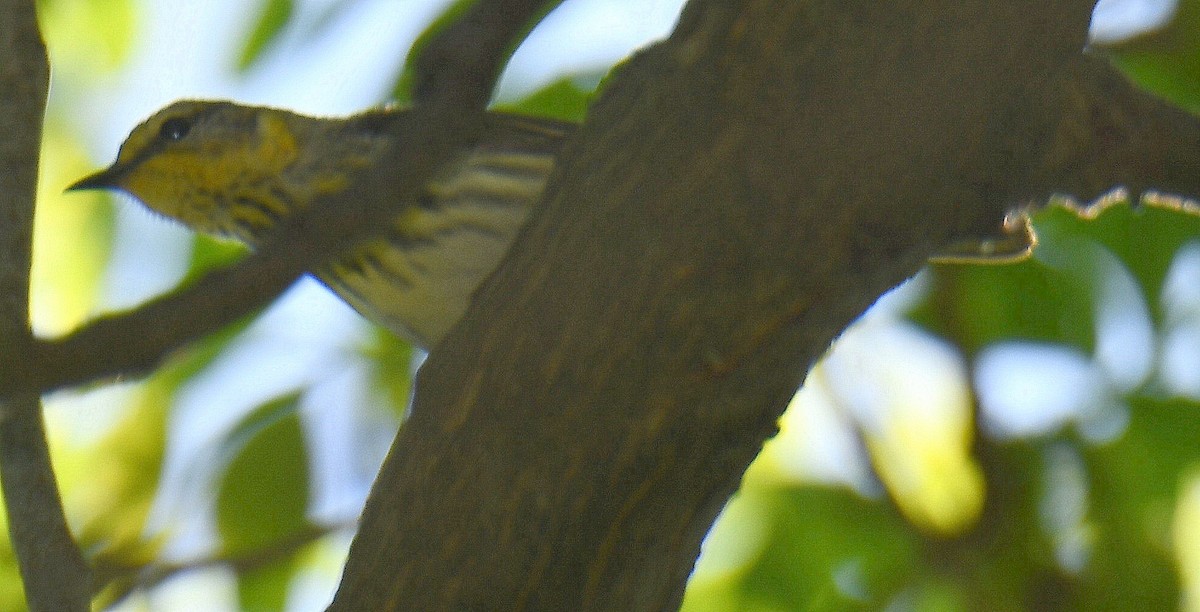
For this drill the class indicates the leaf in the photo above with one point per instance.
(73, 237)
(1135, 482)
(263, 495)
(563, 99)
(274, 16)
(12, 592)
(391, 368)
(830, 549)
(976, 305)
(265, 588)
(125, 469)
(84, 52)
(1053, 295)
(1167, 61)
(1145, 238)
(210, 253)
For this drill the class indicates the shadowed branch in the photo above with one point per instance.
(55, 576)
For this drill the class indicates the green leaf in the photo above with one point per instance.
(1135, 483)
(1167, 61)
(391, 369)
(275, 14)
(83, 51)
(263, 495)
(209, 253)
(12, 592)
(563, 99)
(73, 235)
(830, 549)
(125, 468)
(265, 588)
(1145, 238)
(122, 482)
(1053, 295)
(976, 305)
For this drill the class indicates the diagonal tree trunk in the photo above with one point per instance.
(739, 194)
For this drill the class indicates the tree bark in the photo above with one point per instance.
(737, 196)
(55, 576)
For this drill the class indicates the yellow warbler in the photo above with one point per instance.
(237, 171)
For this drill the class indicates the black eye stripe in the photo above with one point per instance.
(174, 128)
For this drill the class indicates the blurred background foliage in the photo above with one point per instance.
(1004, 437)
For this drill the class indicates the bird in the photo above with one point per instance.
(238, 171)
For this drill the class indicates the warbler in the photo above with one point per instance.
(237, 171)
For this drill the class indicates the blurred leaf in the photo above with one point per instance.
(263, 496)
(82, 51)
(73, 237)
(1052, 296)
(563, 99)
(265, 588)
(1167, 61)
(209, 253)
(1008, 559)
(1135, 481)
(274, 15)
(830, 549)
(1145, 238)
(125, 467)
(121, 485)
(12, 592)
(976, 305)
(391, 371)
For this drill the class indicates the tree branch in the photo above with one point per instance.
(461, 64)
(124, 579)
(738, 195)
(55, 576)
(1102, 131)
(452, 88)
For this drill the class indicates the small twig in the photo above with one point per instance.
(146, 577)
(55, 576)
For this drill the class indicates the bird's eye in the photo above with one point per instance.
(174, 128)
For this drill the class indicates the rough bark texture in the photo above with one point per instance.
(55, 575)
(738, 195)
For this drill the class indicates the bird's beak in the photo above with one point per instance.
(104, 179)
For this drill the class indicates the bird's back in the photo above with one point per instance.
(418, 278)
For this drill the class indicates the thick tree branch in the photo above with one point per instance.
(1103, 132)
(55, 575)
(452, 88)
(738, 195)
